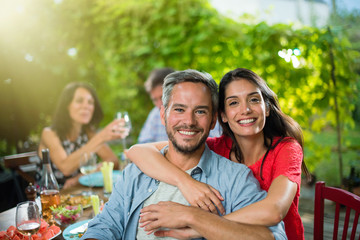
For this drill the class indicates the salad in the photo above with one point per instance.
(67, 214)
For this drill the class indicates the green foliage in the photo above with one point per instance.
(119, 42)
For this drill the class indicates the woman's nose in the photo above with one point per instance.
(245, 108)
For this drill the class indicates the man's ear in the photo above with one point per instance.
(162, 114)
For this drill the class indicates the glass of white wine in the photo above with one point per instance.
(126, 128)
(27, 218)
(88, 165)
(125, 125)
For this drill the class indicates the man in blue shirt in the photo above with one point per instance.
(153, 130)
(189, 112)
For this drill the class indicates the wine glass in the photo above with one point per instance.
(87, 166)
(125, 125)
(27, 218)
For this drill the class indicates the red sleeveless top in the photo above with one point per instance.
(285, 159)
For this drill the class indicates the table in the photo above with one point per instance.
(7, 218)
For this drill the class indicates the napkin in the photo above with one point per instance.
(80, 229)
(107, 171)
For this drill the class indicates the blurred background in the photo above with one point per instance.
(307, 51)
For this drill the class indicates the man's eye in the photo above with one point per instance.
(201, 111)
(178, 110)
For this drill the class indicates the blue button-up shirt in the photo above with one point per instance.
(120, 216)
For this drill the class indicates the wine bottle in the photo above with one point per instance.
(49, 188)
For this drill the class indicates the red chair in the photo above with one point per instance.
(340, 197)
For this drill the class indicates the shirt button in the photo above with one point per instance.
(128, 213)
(150, 190)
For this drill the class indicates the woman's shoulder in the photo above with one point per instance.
(48, 131)
(48, 135)
(223, 140)
(288, 142)
(221, 145)
(287, 148)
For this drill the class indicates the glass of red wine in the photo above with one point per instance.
(27, 218)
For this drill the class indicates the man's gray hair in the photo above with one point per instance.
(194, 76)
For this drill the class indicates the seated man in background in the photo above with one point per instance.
(153, 130)
(189, 113)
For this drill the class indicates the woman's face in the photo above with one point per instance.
(82, 106)
(245, 109)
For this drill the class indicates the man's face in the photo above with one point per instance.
(156, 96)
(188, 118)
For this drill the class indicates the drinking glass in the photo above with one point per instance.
(88, 164)
(126, 125)
(27, 218)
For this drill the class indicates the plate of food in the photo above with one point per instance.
(74, 200)
(45, 232)
(96, 179)
(76, 230)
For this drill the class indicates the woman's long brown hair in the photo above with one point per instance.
(277, 123)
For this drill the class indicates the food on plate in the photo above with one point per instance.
(45, 232)
(71, 200)
(66, 214)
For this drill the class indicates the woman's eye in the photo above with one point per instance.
(254, 100)
(233, 103)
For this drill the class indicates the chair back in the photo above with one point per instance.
(23, 164)
(341, 198)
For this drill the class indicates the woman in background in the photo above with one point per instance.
(255, 133)
(73, 133)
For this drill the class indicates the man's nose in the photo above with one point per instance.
(189, 118)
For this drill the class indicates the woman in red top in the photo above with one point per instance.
(255, 133)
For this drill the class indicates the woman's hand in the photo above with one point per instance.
(113, 131)
(202, 195)
(71, 181)
(167, 215)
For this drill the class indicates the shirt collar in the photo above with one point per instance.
(203, 164)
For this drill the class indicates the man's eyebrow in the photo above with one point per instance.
(185, 106)
(178, 105)
(203, 106)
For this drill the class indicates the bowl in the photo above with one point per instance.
(67, 215)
